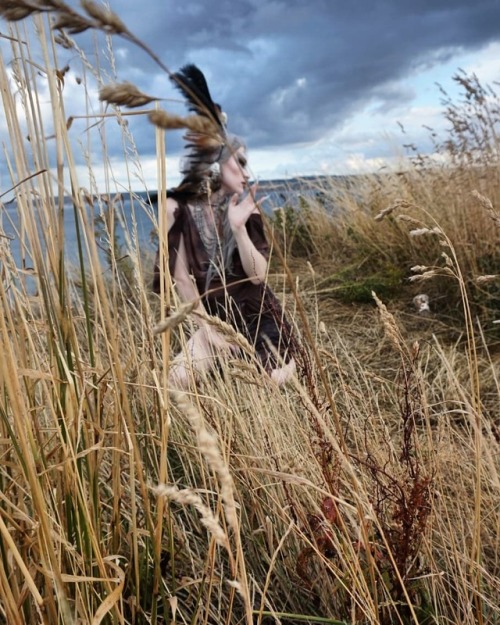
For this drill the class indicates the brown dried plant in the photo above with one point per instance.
(101, 428)
(124, 94)
(168, 121)
(104, 18)
(402, 494)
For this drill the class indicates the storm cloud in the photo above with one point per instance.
(292, 76)
(287, 71)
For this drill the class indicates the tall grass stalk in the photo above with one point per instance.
(368, 498)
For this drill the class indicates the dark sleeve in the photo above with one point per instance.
(256, 232)
(174, 238)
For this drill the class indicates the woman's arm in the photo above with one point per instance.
(161, 254)
(188, 292)
(172, 206)
(254, 262)
(184, 282)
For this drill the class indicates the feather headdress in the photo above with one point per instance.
(192, 84)
(208, 142)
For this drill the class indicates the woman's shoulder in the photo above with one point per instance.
(172, 207)
(176, 203)
(176, 209)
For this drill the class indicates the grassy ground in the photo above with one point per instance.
(366, 491)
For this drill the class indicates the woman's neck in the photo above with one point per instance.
(212, 202)
(216, 198)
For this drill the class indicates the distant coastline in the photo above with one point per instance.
(287, 191)
(279, 192)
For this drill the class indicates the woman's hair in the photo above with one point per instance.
(209, 145)
(200, 168)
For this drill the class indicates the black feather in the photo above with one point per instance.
(193, 85)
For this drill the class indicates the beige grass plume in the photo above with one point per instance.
(208, 445)
(487, 278)
(487, 204)
(196, 124)
(188, 497)
(124, 94)
(105, 19)
(175, 319)
(15, 10)
(390, 326)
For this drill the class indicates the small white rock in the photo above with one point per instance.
(421, 303)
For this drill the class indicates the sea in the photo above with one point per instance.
(133, 218)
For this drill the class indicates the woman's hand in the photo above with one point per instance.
(253, 262)
(239, 212)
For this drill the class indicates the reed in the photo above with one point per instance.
(364, 492)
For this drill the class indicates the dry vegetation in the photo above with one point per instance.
(365, 492)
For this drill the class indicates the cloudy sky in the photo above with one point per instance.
(314, 86)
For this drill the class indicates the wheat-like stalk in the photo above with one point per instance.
(87, 422)
(187, 497)
(124, 94)
(175, 319)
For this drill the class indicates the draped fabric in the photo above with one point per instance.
(252, 309)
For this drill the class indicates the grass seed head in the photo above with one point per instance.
(487, 278)
(124, 94)
(105, 19)
(176, 319)
(72, 22)
(418, 232)
(188, 497)
(15, 10)
(194, 123)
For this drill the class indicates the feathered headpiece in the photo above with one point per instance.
(208, 142)
(192, 84)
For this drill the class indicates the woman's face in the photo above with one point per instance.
(234, 175)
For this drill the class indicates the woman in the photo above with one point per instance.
(218, 253)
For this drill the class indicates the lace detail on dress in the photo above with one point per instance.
(206, 226)
(217, 239)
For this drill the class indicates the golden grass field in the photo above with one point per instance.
(365, 492)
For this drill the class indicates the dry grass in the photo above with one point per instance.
(365, 492)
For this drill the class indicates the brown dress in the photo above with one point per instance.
(252, 309)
